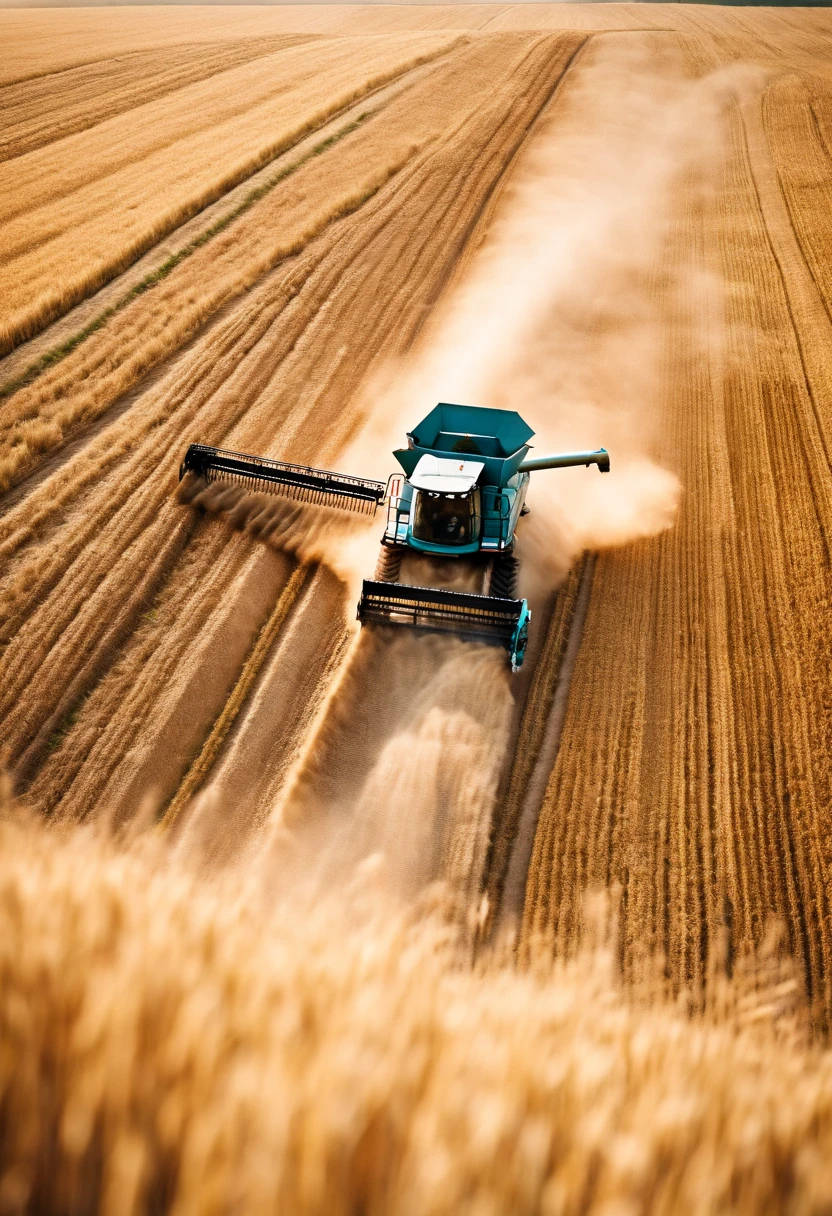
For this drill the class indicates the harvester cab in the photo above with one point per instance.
(460, 495)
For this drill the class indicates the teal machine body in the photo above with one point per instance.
(460, 494)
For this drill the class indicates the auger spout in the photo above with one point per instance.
(563, 460)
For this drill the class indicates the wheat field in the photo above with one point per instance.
(302, 918)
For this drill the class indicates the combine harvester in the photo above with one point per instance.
(466, 473)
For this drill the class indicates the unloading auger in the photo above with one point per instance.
(461, 494)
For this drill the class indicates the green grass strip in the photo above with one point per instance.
(59, 352)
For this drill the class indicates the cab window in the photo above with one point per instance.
(446, 519)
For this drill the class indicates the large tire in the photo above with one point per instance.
(504, 577)
(389, 564)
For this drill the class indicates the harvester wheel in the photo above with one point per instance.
(389, 564)
(504, 577)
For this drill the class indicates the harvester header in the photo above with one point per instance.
(463, 490)
(259, 474)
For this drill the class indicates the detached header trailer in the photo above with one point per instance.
(460, 496)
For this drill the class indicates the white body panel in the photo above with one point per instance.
(446, 476)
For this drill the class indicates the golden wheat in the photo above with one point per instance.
(78, 211)
(694, 770)
(34, 116)
(245, 383)
(273, 1004)
(324, 187)
(171, 1041)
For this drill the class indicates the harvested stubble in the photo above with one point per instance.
(42, 45)
(170, 1041)
(77, 212)
(695, 770)
(414, 722)
(798, 122)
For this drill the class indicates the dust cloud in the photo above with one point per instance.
(402, 766)
(426, 801)
(345, 541)
(561, 314)
(566, 311)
